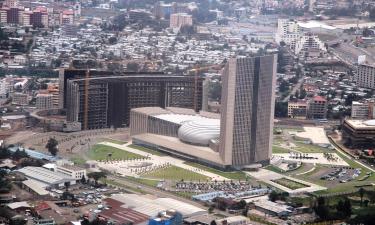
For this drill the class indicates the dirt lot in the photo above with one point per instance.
(69, 143)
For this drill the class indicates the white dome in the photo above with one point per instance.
(369, 122)
(199, 132)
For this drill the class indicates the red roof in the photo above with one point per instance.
(113, 203)
(42, 206)
(319, 98)
(120, 214)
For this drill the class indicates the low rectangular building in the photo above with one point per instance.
(272, 208)
(49, 178)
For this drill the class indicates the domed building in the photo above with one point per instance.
(238, 138)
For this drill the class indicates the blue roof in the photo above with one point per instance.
(34, 154)
(211, 195)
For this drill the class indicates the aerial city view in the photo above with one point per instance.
(196, 112)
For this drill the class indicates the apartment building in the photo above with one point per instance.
(297, 109)
(20, 99)
(179, 20)
(317, 108)
(44, 101)
(365, 76)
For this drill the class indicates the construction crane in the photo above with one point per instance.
(196, 72)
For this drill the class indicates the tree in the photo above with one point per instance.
(210, 209)
(372, 14)
(134, 67)
(96, 176)
(3, 35)
(242, 204)
(5, 184)
(321, 209)
(350, 98)
(112, 40)
(302, 93)
(347, 210)
(18, 154)
(83, 179)
(340, 208)
(273, 196)
(67, 185)
(361, 194)
(284, 86)
(52, 146)
(4, 153)
(371, 196)
(281, 109)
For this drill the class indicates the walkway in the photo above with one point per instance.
(268, 176)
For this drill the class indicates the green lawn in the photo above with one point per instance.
(78, 160)
(100, 152)
(121, 185)
(144, 181)
(277, 149)
(274, 169)
(175, 173)
(144, 149)
(237, 175)
(290, 183)
(306, 148)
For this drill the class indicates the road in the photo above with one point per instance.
(350, 157)
(294, 89)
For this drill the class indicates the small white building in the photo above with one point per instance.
(74, 172)
(233, 220)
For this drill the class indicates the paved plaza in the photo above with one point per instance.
(135, 168)
(317, 135)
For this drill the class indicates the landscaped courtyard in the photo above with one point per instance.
(175, 173)
(105, 152)
(289, 183)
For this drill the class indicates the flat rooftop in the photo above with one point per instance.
(44, 175)
(361, 124)
(151, 206)
(180, 118)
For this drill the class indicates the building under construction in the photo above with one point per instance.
(102, 99)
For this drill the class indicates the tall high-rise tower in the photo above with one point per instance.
(247, 110)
